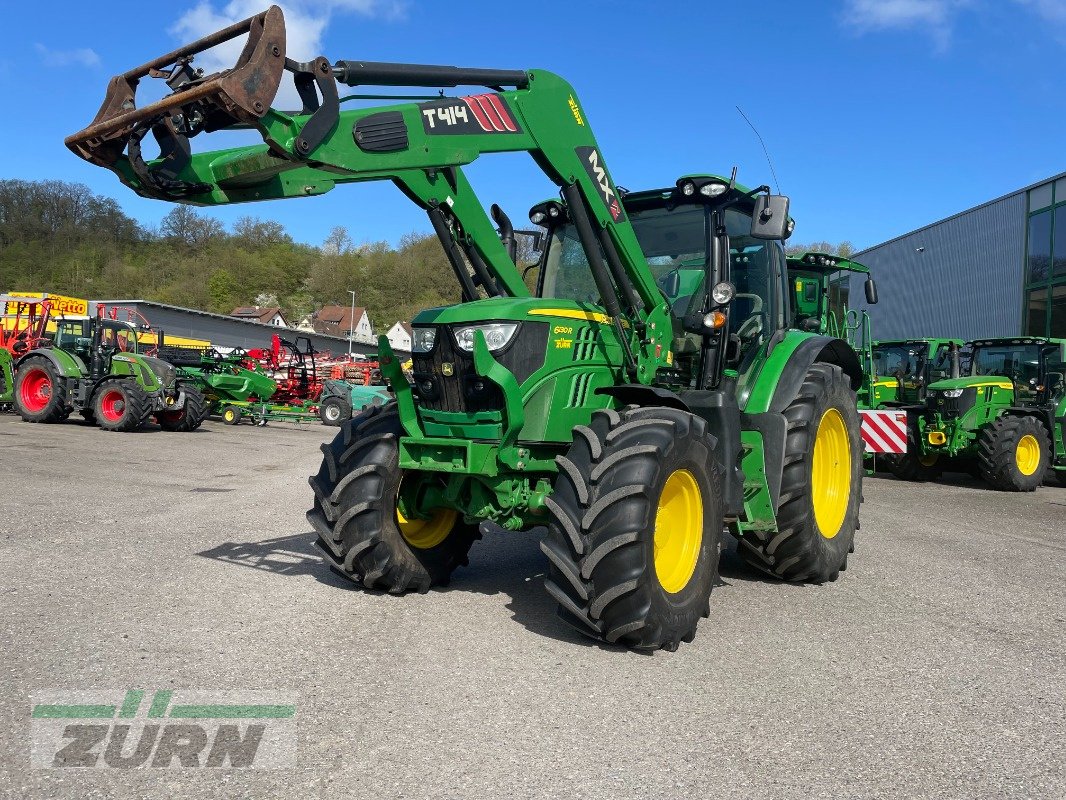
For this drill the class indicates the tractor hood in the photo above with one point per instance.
(971, 381)
(513, 309)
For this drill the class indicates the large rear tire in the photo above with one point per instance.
(39, 392)
(120, 405)
(189, 417)
(360, 529)
(1013, 453)
(821, 487)
(636, 520)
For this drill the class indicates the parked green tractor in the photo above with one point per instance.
(1005, 420)
(341, 400)
(906, 368)
(633, 428)
(7, 380)
(93, 366)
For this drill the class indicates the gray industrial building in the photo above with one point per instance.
(995, 270)
(224, 331)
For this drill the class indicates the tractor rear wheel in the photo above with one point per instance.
(120, 405)
(821, 486)
(1013, 453)
(361, 531)
(189, 417)
(334, 411)
(38, 394)
(636, 519)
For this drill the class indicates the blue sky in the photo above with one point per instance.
(880, 115)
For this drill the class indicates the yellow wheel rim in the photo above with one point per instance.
(230, 415)
(1027, 454)
(831, 473)
(678, 531)
(422, 534)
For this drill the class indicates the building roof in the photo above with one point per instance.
(1016, 192)
(153, 303)
(336, 320)
(263, 315)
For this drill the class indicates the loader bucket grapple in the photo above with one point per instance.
(632, 414)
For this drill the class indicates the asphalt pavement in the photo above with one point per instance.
(934, 668)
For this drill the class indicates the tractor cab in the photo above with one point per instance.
(75, 335)
(675, 230)
(1033, 366)
(906, 367)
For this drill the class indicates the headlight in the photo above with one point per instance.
(714, 189)
(952, 393)
(423, 339)
(723, 292)
(688, 188)
(497, 335)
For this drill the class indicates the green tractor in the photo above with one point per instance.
(93, 366)
(820, 282)
(906, 368)
(7, 380)
(634, 423)
(1005, 420)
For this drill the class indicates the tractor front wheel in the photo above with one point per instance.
(120, 405)
(1013, 453)
(636, 519)
(38, 396)
(189, 417)
(360, 528)
(821, 486)
(334, 411)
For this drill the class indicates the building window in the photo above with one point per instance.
(1036, 313)
(1058, 311)
(1039, 246)
(1045, 261)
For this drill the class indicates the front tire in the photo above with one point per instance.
(636, 519)
(120, 405)
(334, 412)
(355, 514)
(821, 486)
(38, 392)
(1013, 453)
(189, 417)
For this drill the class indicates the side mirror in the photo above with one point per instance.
(671, 283)
(770, 220)
(871, 292)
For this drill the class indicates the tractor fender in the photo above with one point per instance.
(1045, 415)
(67, 364)
(813, 350)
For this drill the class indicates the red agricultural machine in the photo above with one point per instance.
(293, 367)
(25, 323)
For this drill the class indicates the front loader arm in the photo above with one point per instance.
(420, 146)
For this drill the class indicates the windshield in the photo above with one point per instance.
(674, 241)
(900, 359)
(1018, 362)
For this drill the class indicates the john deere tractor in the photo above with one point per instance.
(93, 366)
(1005, 420)
(634, 424)
(906, 367)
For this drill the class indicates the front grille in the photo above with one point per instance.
(464, 390)
(950, 407)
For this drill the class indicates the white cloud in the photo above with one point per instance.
(80, 57)
(932, 17)
(305, 22)
(1052, 11)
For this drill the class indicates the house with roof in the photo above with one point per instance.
(399, 336)
(264, 316)
(340, 321)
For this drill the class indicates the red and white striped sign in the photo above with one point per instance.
(490, 112)
(884, 431)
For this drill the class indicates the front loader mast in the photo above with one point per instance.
(421, 147)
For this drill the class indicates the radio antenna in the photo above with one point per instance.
(764, 150)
